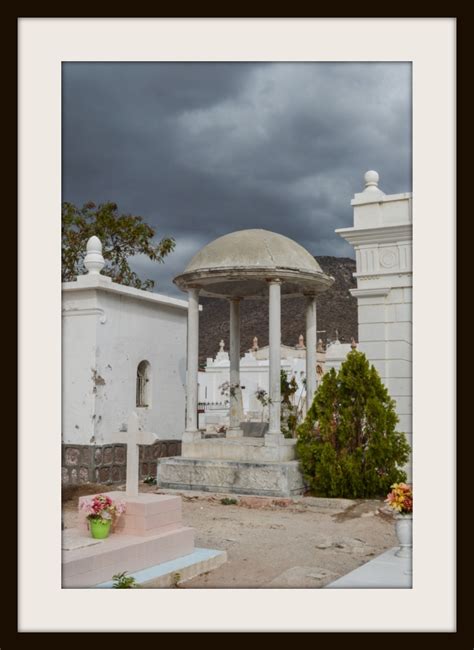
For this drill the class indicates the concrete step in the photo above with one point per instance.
(90, 565)
(174, 572)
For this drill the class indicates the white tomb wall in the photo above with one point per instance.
(115, 328)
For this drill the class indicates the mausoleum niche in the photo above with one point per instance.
(143, 396)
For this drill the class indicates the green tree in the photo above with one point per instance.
(347, 445)
(122, 236)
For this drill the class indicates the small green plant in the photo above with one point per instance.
(149, 480)
(175, 579)
(226, 501)
(123, 581)
(291, 413)
(229, 389)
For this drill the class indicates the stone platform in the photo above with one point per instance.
(235, 464)
(269, 448)
(239, 465)
(278, 479)
(149, 534)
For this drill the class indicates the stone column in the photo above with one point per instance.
(235, 413)
(192, 432)
(311, 377)
(274, 357)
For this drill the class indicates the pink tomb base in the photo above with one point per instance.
(148, 533)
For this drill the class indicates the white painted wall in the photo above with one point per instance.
(382, 239)
(107, 330)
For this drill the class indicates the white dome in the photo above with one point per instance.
(253, 248)
(242, 262)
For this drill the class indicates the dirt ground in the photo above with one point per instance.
(304, 542)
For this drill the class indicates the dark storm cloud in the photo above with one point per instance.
(200, 150)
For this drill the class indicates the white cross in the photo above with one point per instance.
(132, 438)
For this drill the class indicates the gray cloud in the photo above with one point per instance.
(202, 149)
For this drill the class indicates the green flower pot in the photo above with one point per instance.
(100, 528)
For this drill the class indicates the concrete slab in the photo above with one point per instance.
(200, 561)
(387, 571)
(278, 479)
(73, 539)
(300, 577)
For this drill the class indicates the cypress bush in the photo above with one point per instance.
(347, 445)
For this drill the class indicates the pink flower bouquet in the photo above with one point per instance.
(102, 507)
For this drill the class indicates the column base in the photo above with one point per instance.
(274, 439)
(234, 433)
(191, 436)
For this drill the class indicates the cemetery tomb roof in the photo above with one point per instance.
(241, 263)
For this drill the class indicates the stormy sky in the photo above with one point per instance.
(202, 149)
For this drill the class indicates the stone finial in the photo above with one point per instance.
(353, 343)
(371, 179)
(337, 335)
(300, 345)
(255, 343)
(221, 345)
(94, 261)
(320, 346)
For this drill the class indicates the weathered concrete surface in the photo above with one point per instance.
(270, 479)
(246, 449)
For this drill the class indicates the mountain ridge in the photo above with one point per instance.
(336, 310)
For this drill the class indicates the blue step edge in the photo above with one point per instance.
(173, 566)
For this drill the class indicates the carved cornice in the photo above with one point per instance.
(91, 311)
(396, 234)
(370, 293)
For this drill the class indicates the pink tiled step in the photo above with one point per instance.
(90, 565)
(146, 514)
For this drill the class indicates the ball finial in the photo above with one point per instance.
(371, 179)
(94, 261)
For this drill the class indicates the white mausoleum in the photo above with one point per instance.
(123, 351)
(254, 372)
(382, 239)
(336, 353)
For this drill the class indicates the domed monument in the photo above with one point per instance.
(250, 264)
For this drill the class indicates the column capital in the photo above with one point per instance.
(274, 281)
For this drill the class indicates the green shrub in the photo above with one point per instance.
(347, 445)
(229, 502)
